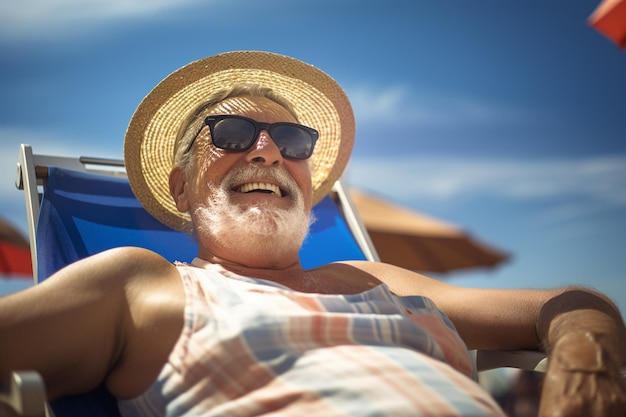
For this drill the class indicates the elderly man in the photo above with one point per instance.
(236, 148)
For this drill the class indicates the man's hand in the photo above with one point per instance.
(582, 380)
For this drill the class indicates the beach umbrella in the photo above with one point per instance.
(609, 18)
(418, 242)
(15, 260)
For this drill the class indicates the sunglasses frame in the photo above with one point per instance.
(211, 121)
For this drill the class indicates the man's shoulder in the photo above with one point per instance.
(401, 281)
(134, 274)
(124, 265)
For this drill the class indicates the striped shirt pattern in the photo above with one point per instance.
(252, 347)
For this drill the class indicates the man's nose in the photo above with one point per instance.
(264, 151)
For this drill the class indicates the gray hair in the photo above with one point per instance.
(194, 122)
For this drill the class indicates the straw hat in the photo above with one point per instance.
(317, 100)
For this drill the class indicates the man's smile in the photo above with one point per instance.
(262, 187)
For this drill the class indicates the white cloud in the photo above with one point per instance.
(601, 180)
(401, 104)
(32, 19)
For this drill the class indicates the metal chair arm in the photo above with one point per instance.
(26, 396)
(529, 360)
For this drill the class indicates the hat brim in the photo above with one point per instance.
(317, 100)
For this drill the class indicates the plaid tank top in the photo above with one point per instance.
(251, 347)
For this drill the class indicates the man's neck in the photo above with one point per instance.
(283, 270)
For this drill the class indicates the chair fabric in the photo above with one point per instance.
(83, 213)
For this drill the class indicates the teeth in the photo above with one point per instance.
(260, 186)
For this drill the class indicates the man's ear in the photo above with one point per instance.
(178, 187)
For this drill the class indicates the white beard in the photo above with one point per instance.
(262, 229)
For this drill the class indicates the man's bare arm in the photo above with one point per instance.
(70, 327)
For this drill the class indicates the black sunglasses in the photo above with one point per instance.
(238, 133)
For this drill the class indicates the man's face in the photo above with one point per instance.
(215, 164)
(257, 197)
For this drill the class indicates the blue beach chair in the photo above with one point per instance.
(77, 207)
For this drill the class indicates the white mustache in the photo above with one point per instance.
(245, 174)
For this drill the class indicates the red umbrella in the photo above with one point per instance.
(609, 18)
(15, 257)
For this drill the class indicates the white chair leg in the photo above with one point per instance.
(27, 394)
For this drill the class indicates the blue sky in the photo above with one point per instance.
(506, 118)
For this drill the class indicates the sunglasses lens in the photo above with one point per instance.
(233, 134)
(293, 141)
